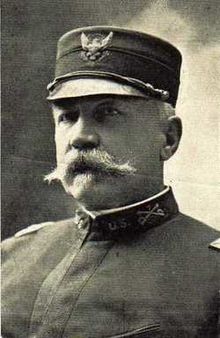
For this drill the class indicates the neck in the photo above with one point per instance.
(121, 199)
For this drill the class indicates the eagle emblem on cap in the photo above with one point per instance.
(94, 45)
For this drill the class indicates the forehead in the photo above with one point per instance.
(125, 102)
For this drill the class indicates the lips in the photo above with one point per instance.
(82, 168)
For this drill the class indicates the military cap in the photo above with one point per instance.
(121, 61)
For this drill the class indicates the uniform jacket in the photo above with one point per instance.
(146, 271)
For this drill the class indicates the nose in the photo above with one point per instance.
(84, 137)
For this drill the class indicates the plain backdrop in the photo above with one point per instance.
(30, 30)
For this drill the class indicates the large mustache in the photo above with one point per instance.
(95, 161)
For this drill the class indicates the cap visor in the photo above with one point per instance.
(91, 86)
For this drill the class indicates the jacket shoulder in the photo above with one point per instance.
(197, 232)
(32, 228)
(37, 235)
(21, 238)
(215, 244)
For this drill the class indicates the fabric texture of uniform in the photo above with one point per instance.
(145, 272)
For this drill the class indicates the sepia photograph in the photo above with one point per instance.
(110, 169)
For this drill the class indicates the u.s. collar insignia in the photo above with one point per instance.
(94, 46)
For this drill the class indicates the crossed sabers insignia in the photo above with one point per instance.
(143, 216)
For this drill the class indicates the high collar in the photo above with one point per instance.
(129, 220)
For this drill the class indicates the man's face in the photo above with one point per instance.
(108, 148)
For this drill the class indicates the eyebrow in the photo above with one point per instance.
(62, 103)
(66, 104)
(105, 100)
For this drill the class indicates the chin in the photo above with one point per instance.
(94, 192)
(80, 184)
(83, 186)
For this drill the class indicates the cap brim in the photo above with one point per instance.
(92, 86)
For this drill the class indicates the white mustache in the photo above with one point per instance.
(97, 161)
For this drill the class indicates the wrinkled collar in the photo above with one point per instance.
(129, 220)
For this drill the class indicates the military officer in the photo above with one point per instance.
(128, 264)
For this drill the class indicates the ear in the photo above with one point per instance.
(173, 134)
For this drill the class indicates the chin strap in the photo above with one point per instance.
(146, 88)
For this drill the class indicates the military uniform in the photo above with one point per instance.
(144, 270)
(141, 271)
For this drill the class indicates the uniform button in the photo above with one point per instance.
(84, 223)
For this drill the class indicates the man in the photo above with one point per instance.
(128, 264)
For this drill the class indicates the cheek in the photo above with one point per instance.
(153, 144)
(61, 145)
(145, 146)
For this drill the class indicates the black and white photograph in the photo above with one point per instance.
(110, 169)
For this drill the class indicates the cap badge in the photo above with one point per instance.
(94, 46)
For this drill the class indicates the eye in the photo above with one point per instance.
(104, 112)
(68, 117)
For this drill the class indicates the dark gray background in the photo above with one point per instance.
(30, 30)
